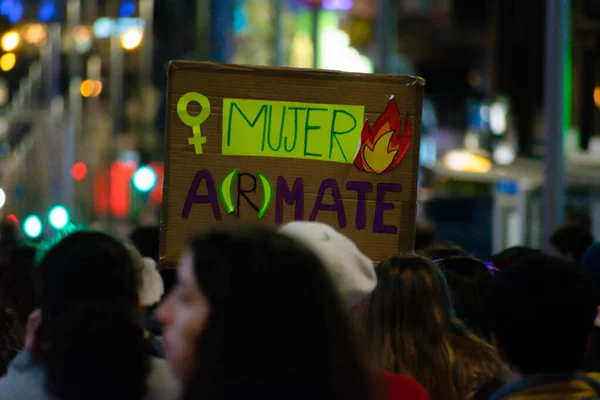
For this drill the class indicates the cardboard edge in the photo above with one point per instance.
(162, 249)
(407, 80)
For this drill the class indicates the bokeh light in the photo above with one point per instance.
(79, 171)
(10, 41)
(144, 179)
(58, 217)
(131, 39)
(8, 61)
(33, 227)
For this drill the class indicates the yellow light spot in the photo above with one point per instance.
(464, 161)
(97, 88)
(87, 88)
(10, 41)
(8, 61)
(597, 96)
(131, 39)
(35, 33)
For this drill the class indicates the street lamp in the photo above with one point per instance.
(8, 61)
(131, 39)
(10, 41)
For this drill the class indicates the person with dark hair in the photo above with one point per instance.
(11, 333)
(354, 278)
(440, 251)
(147, 240)
(85, 342)
(16, 270)
(507, 258)
(590, 265)
(8, 234)
(571, 241)
(424, 235)
(543, 311)
(412, 330)
(255, 315)
(468, 280)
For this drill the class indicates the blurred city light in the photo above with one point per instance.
(127, 8)
(33, 227)
(597, 96)
(82, 36)
(466, 161)
(90, 88)
(131, 39)
(35, 33)
(104, 27)
(8, 61)
(47, 10)
(498, 118)
(10, 41)
(3, 127)
(79, 171)
(504, 154)
(58, 217)
(2, 198)
(144, 179)
(13, 218)
(12, 9)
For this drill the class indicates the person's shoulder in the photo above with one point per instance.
(403, 387)
(24, 380)
(162, 385)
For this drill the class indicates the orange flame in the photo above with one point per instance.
(383, 146)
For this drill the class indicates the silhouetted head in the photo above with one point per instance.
(542, 312)
(90, 336)
(254, 314)
(571, 241)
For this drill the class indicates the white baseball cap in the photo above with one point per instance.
(352, 272)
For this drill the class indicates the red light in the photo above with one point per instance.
(101, 195)
(120, 184)
(157, 192)
(12, 218)
(79, 171)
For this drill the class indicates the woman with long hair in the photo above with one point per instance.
(255, 315)
(469, 280)
(86, 340)
(412, 330)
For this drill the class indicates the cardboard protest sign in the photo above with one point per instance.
(274, 145)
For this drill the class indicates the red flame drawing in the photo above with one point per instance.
(383, 146)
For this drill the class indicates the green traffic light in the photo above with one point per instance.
(32, 227)
(58, 217)
(144, 179)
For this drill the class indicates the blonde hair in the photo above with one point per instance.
(410, 326)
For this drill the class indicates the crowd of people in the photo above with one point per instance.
(296, 313)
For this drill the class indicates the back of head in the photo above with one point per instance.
(512, 256)
(11, 332)
(16, 267)
(91, 344)
(351, 271)
(590, 265)
(468, 279)
(572, 241)
(542, 313)
(8, 234)
(275, 321)
(440, 251)
(147, 240)
(424, 235)
(410, 326)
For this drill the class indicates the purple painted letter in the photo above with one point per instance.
(337, 202)
(362, 188)
(210, 197)
(382, 206)
(296, 195)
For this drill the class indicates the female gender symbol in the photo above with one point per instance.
(194, 121)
